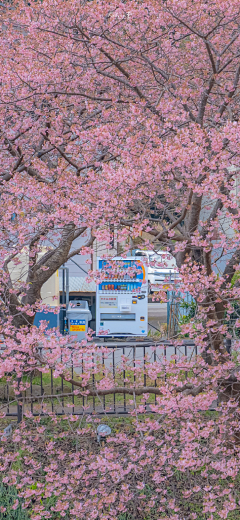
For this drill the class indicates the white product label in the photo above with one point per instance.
(108, 302)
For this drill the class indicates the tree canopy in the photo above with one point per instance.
(127, 115)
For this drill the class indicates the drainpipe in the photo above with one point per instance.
(65, 270)
(67, 287)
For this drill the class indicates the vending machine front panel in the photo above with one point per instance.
(122, 298)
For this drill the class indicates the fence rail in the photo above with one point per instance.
(47, 394)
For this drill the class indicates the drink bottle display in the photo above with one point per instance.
(118, 280)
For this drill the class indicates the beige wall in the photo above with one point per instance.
(18, 270)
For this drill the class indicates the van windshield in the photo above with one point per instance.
(155, 256)
(165, 259)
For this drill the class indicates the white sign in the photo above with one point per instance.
(108, 302)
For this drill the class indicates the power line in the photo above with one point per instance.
(78, 266)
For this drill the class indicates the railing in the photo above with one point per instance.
(56, 396)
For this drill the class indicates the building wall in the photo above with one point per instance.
(18, 270)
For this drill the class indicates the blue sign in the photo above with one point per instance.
(77, 322)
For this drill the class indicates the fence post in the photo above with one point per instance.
(19, 406)
(228, 345)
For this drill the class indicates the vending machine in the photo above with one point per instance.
(122, 298)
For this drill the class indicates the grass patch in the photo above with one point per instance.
(8, 498)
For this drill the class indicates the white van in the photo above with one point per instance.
(162, 269)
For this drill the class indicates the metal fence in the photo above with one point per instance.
(49, 395)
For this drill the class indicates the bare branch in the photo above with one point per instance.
(231, 94)
(33, 173)
(204, 100)
(176, 222)
(210, 57)
(70, 161)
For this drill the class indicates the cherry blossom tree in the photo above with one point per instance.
(125, 115)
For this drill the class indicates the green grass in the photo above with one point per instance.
(8, 496)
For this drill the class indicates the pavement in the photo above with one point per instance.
(157, 316)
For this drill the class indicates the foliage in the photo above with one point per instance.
(190, 312)
(125, 117)
(134, 474)
(235, 278)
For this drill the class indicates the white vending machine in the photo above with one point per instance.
(122, 298)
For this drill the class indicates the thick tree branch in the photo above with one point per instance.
(204, 100)
(176, 222)
(77, 251)
(187, 389)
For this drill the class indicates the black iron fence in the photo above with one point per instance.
(47, 394)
